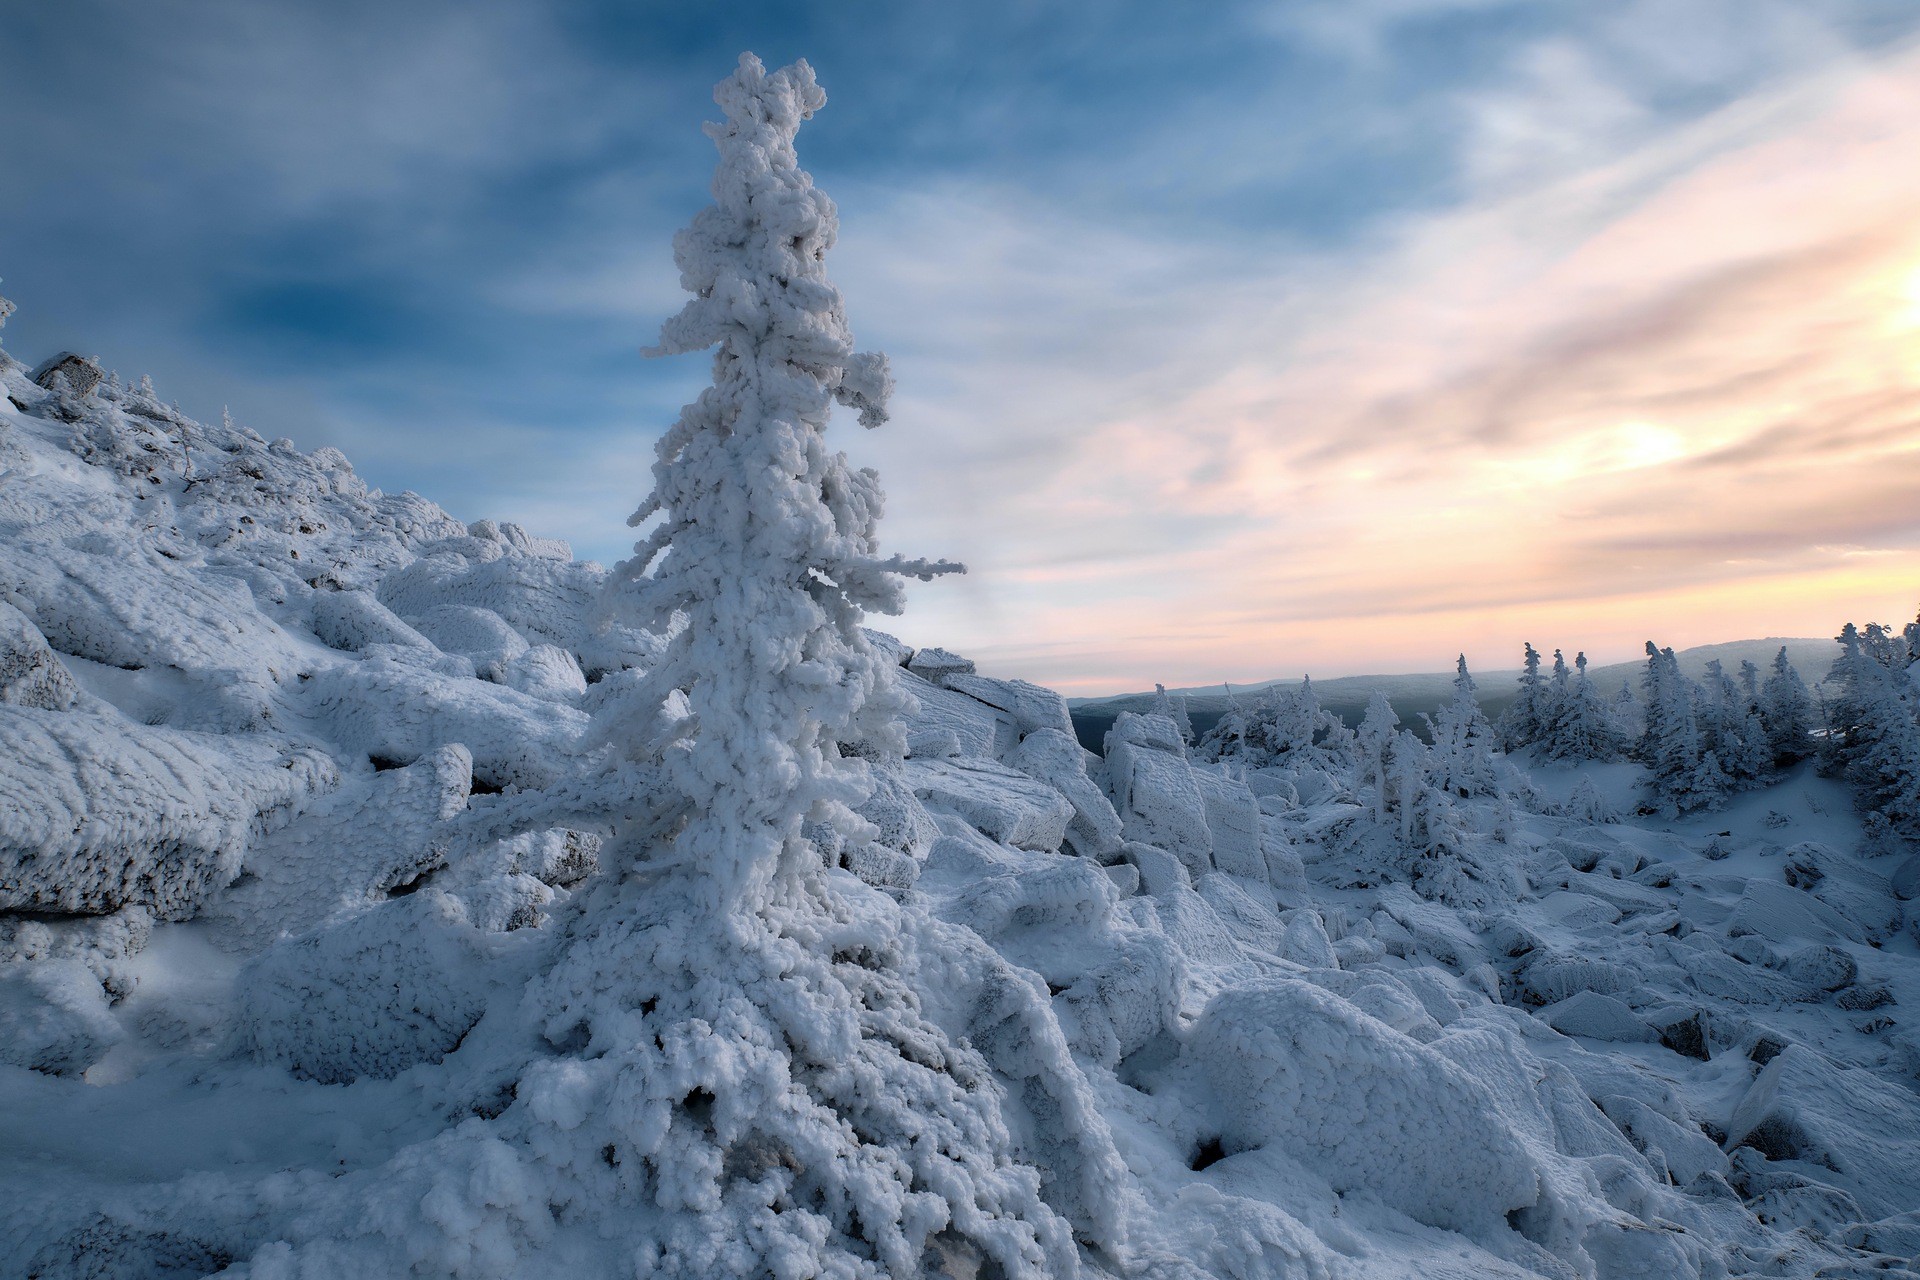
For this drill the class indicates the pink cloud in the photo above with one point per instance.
(1676, 393)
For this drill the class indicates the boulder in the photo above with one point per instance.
(1905, 880)
(904, 824)
(80, 374)
(54, 1017)
(1305, 941)
(353, 620)
(369, 996)
(1056, 758)
(1159, 803)
(1596, 1017)
(1784, 914)
(546, 672)
(937, 664)
(1805, 1107)
(1828, 968)
(1233, 824)
(1290, 1065)
(102, 813)
(31, 674)
(1683, 1152)
(1030, 706)
(472, 632)
(1004, 803)
(1158, 733)
(1161, 874)
(1128, 998)
(975, 729)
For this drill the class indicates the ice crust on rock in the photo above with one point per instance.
(388, 843)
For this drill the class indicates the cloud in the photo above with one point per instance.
(1315, 335)
(1690, 366)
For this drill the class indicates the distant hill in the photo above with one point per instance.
(1346, 696)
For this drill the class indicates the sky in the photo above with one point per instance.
(1233, 342)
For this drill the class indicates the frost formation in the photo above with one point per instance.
(382, 895)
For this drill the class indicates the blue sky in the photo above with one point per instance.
(436, 236)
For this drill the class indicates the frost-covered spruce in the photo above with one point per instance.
(757, 1062)
(1786, 711)
(1375, 741)
(1582, 726)
(765, 555)
(1875, 726)
(1525, 720)
(1463, 741)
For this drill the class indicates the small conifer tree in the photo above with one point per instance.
(1463, 741)
(1786, 712)
(1524, 721)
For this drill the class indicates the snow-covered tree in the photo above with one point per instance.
(1282, 726)
(1587, 805)
(1626, 715)
(1556, 705)
(1873, 737)
(765, 555)
(1582, 725)
(747, 1010)
(1597, 731)
(1463, 741)
(1374, 743)
(1683, 774)
(1786, 711)
(1432, 832)
(1730, 727)
(1525, 720)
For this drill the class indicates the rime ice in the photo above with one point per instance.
(382, 895)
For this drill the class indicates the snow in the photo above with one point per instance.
(382, 895)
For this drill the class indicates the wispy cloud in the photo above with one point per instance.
(1328, 335)
(1691, 365)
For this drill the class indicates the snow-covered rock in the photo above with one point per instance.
(1003, 802)
(1158, 800)
(384, 990)
(31, 674)
(102, 813)
(1293, 1066)
(933, 664)
(1863, 1131)
(1057, 759)
(1031, 707)
(1596, 1017)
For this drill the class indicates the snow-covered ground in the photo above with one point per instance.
(291, 853)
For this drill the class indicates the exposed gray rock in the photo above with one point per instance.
(76, 373)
